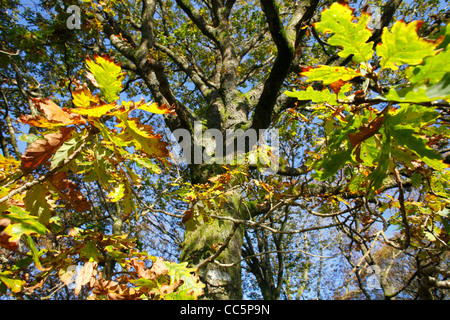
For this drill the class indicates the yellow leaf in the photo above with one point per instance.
(155, 108)
(7, 166)
(83, 98)
(95, 112)
(117, 193)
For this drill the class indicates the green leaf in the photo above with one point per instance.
(108, 76)
(36, 202)
(408, 139)
(402, 45)
(424, 93)
(28, 138)
(330, 74)
(68, 148)
(314, 95)
(101, 166)
(369, 152)
(34, 252)
(147, 163)
(432, 70)
(410, 115)
(191, 283)
(90, 251)
(333, 162)
(384, 159)
(24, 223)
(352, 37)
(15, 285)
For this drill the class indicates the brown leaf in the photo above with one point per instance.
(364, 132)
(69, 192)
(4, 222)
(41, 150)
(336, 86)
(140, 268)
(54, 113)
(187, 215)
(4, 237)
(169, 288)
(159, 268)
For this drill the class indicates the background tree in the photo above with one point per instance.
(344, 165)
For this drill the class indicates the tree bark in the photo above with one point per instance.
(203, 238)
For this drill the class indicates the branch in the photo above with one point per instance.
(183, 64)
(281, 68)
(401, 200)
(198, 20)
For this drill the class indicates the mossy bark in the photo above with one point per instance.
(201, 240)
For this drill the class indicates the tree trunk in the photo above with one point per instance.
(202, 239)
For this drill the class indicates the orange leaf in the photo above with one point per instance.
(140, 268)
(41, 150)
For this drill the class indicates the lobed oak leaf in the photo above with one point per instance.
(143, 137)
(55, 113)
(107, 74)
(83, 98)
(41, 150)
(159, 268)
(140, 268)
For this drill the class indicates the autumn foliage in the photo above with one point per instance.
(44, 180)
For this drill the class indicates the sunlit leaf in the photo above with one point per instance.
(40, 151)
(351, 36)
(67, 148)
(15, 285)
(402, 45)
(330, 74)
(108, 76)
(143, 137)
(155, 108)
(23, 223)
